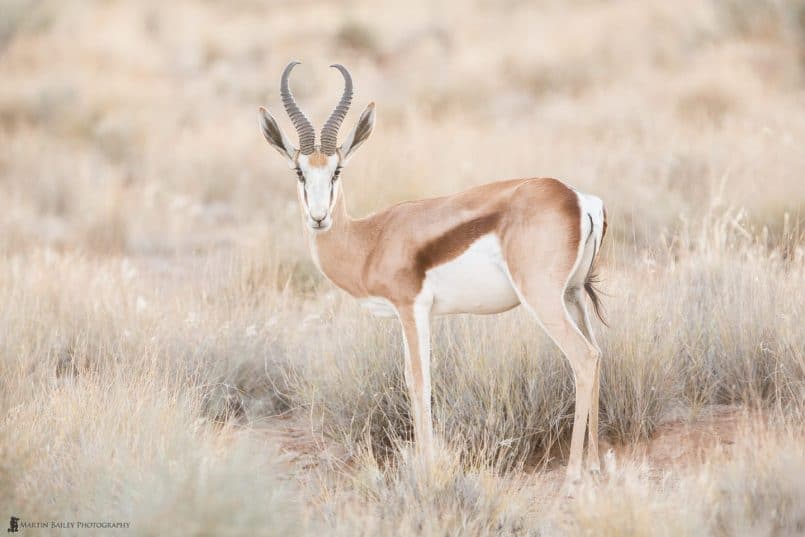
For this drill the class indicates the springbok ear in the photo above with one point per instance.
(276, 138)
(359, 133)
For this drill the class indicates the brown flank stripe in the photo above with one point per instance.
(453, 243)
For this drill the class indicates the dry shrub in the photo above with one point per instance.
(95, 316)
(494, 401)
(758, 489)
(357, 36)
(404, 500)
(352, 378)
(129, 447)
(109, 395)
(706, 104)
(552, 77)
(763, 18)
(503, 393)
(760, 492)
(21, 16)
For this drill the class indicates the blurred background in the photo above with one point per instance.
(168, 346)
(130, 127)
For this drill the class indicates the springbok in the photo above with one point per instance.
(485, 250)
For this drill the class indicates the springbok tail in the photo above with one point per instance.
(593, 279)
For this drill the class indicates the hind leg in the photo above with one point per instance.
(577, 308)
(543, 296)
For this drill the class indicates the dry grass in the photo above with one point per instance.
(758, 490)
(161, 322)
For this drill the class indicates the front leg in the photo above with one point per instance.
(415, 320)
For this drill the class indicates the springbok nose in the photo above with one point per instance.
(318, 220)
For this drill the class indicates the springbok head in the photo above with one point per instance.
(317, 166)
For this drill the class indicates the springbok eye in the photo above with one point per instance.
(300, 175)
(336, 173)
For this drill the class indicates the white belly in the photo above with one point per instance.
(475, 282)
(379, 306)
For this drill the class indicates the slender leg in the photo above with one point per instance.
(575, 304)
(416, 331)
(544, 298)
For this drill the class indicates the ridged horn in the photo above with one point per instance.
(304, 128)
(329, 132)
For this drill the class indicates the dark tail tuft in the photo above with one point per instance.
(591, 286)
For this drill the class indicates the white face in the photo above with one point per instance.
(318, 188)
(319, 181)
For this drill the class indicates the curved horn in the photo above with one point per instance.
(307, 136)
(329, 132)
